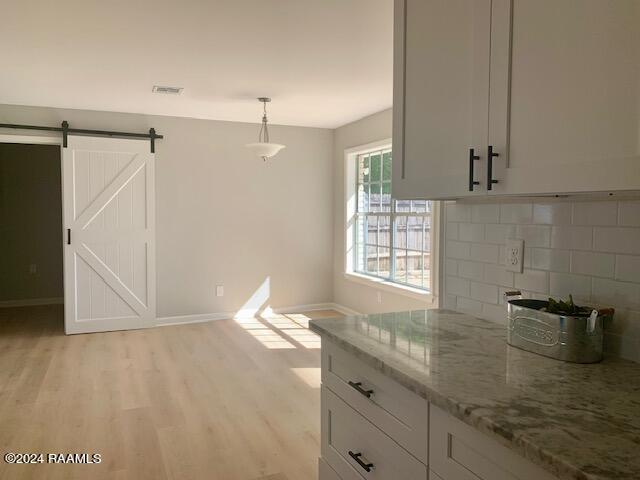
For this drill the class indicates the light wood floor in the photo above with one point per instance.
(220, 400)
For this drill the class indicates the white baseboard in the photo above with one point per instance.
(209, 317)
(197, 318)
(27, 302)
(344, 310)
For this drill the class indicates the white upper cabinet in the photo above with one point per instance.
(565, 117)
(441, 96)
(551, 86)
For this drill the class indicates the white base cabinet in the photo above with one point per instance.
(360, 441)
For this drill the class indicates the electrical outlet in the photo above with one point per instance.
(515, 251)
(379, 297)
(219, 290)
(33, 269)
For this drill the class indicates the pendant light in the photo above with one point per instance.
(263, 148)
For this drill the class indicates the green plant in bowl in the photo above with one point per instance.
(566, 307)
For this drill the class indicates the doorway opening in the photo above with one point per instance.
(31, 263)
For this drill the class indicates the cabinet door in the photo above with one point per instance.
(441, 96)
(565, 95)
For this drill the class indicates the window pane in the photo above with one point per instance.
(385, 262)
(419, 206)
(386, 166)
(372, 230)
(414, 234)
(401, 262)
(386, 197)
(376, 168)
(363, 198)
(372, 260)
(403, 205)
(384, 235)
(363, 168)
(426, 262)
(401, 232)
(374, 197)
(414, 268)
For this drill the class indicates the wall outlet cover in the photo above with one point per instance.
(515, 252)
(219, 290)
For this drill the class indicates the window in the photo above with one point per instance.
(392, 237)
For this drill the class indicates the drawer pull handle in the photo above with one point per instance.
(356, 456)
(358, 387)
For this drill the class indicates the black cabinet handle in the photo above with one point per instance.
(490, 155)
(358, 387)
(472, 157)
(356, 456)
(68, 236)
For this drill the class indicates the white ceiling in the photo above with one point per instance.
(324, 62)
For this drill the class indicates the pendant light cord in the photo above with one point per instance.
(263, 136)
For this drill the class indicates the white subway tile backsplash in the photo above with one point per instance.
(484, 253)
(495, 313)
(450, 302)
(534, 235)
(471, 232)
(628, 268)
(467, 305)
(592, 263)
(455, 249)
(614, 293)
(549, 259)
(552, 213)
(516, 213)
(534, 280)
(451, 266)
(629, 213)
(484, 292)
(451, 231)
(496, 233)
(498, 275)
(617, 240)
(470, 270)
(458, 212)
(588, 249)
(565, 284)
(595, 213)
(457, 286)
(485, 213)
(574, 238)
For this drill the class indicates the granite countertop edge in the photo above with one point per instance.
(521, 444)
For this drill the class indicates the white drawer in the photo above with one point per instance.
(344, 430)
(400, 413)
(460, 452)
(325, 472)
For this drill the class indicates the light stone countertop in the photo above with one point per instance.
(576, 421)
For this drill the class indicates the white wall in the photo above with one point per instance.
(357, 296)
(588, 249)
(30, 223)
(226, 217)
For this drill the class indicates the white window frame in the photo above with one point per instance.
(350, 205)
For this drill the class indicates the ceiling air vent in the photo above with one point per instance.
(167, 90)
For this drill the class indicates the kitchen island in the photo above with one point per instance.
(541, 418)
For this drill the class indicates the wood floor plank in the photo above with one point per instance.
(227, 400)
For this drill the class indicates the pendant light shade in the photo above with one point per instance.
(263, 148)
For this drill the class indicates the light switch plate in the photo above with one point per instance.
(515, 251)
(219, 290)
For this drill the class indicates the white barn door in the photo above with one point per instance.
(109, 234)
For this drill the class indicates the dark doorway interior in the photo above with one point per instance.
(30, 224)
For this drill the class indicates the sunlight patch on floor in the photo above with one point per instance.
(311, 376)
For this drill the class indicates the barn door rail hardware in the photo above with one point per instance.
(66, 130)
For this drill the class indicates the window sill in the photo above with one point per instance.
(396, 288)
